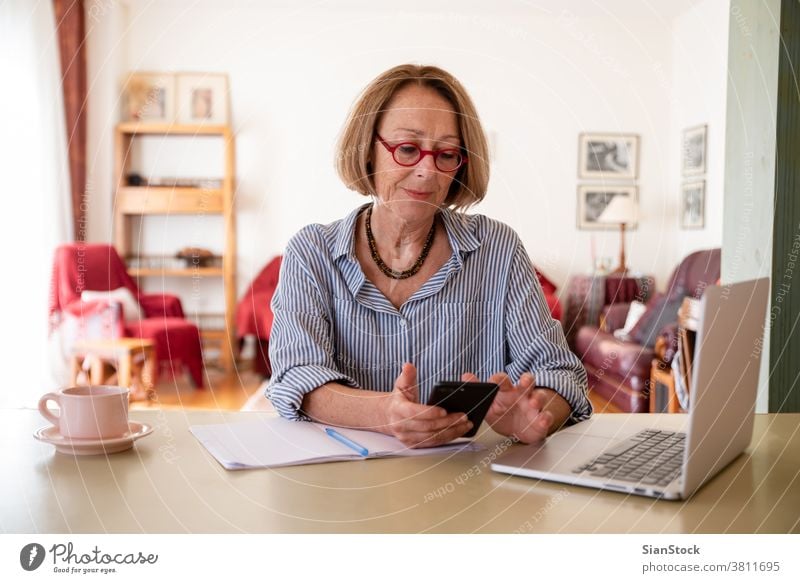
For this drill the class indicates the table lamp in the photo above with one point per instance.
(622, 210)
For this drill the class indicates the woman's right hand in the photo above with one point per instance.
(418, 425)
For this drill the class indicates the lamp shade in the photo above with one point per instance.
(621, 209)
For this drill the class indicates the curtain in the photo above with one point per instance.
(36, 210)
(69, 17)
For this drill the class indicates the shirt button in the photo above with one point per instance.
(403, 323)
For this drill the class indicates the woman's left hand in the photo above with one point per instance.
(517, 410)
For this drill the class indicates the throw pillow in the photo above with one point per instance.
(660, 312)
(635, 313)
(131, 310)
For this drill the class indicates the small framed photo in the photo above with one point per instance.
(593, 201)
(203, 98)
(149, 97)
(608, 156)
(694, 150)
(693, 205)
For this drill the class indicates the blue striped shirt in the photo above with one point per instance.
(482, 312)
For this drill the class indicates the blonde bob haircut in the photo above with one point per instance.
(355, 147)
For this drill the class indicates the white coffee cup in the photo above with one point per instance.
(93, 412)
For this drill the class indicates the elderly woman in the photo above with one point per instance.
(374, 309)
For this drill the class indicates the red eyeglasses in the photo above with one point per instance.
(409, 154)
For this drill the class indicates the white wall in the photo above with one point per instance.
(699, 93)
(540, 73)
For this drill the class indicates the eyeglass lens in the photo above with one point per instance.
(409, 154)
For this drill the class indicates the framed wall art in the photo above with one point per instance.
(593, 200)
(608, 156)
(693, 205)
(149, 97)
(694, 150)
(202, 98)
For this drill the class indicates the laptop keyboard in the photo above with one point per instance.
(649, 457)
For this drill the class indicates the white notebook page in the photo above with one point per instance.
(275, 442)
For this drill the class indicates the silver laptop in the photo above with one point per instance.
(669, 456)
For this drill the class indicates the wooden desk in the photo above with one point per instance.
(169, 484)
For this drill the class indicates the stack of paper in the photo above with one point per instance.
(276, 442)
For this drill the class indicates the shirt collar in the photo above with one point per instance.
(345, 241)
(460, 231)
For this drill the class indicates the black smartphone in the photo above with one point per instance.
(473, 399)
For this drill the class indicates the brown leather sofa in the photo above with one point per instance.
(619, 370)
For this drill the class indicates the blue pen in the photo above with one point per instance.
(348, 442)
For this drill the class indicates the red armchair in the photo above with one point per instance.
(254, 314)
(98, 267)
(549, 289)
(619, 370)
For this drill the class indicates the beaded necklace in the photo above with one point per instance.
(385, 269)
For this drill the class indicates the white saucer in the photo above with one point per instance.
(68, 445)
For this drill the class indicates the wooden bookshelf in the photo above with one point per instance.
(139, 201)
(168, 272)
(167, 200)
(165, 129)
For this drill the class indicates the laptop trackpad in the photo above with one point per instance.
(560, 453)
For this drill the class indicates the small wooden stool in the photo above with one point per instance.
(133, 360)
(663, 398)
(663, 395)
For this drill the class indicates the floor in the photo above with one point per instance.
(222, 391)
(600, 405)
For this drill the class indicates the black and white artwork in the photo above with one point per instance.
(593, 200)
(694, 150)
(693, 205)
(608, 156)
